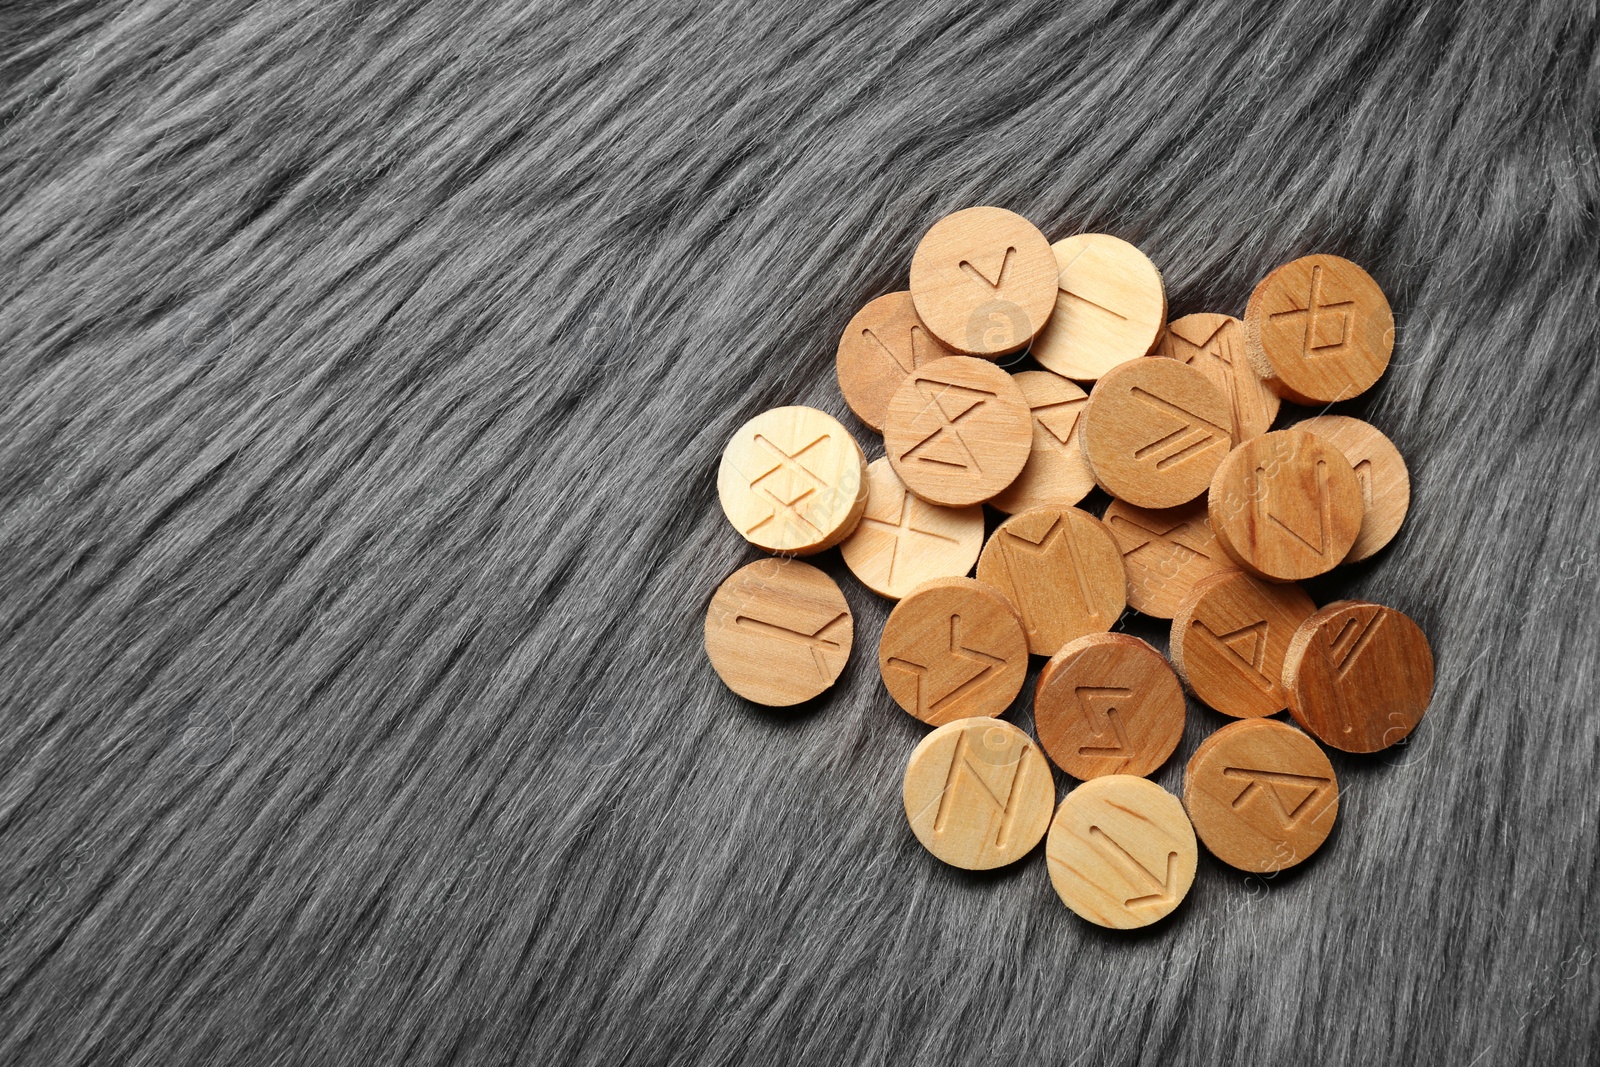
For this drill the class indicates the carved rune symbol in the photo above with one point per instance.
(1137, 871)
(1176, 542)
(914, 339)
(817, 640)
(904, 530)
(1058, 420)
(1194, 436)
(1215, 350)
(1246, 647)
(1106, 697)
(959, 674)
(988, 776)
(1061, 286)
(787, 482)
(949, 404)
(999, 276)
(1276, 784)
(1327, 326)
(1353, 638)
(1267, 518)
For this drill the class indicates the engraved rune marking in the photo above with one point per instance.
(1058, 420)
(1364, 476)
(1055, 544)
(961, 663)
(1098, 307)
(962, 768)
(904, 530)
(1111, 847)
(791, 478)
(1353, 638)
(907, 364)
(949, 404)
(817, 640)
(1252, 637)
(1088, 696)
(1193, 437)
(999, 276)
(1179, 540)
(1324, 335)
(1217, 349)
(1262, 491)
(1275, 784)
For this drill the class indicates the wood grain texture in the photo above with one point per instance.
(1154, 432)
(1061, 569)
(953, 649)
(1121, 852)
(1359, 675)
(1286, 506)
(1108, 704)
(793, 480)
(983, 279)
(1165, 553)
(958, 431)
(1381, 470)
(1056, 474)
(978, 793)
(1318, 329)
(1262, 795)
(903, 541)
(882, 343)
(1214, 345)
(1110, 306)
(778, 631)
(1229, 639)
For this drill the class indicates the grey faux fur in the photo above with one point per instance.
(363, 373)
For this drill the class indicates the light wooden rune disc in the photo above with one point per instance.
(984, 281)
(953, 649)
(1110, 307)
(883, 343)
(978, 793)
(958, 431)
(1318, 329)
(1108, 704)
(1381, 470)
(902, 541)
(793, 480)
(1214, 346)
(1359, 675)
(1056, 474)
(1166, 553)
(1286, 506)
(1121, 852)
(778, 631)
(1062, 570)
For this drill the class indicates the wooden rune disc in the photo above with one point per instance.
(1214, 346)
(1165, 553)
(1061, 569)
(1381, 471)
(1359, 675)
(1056, 474)
(1121, 852)
(1110, 307)
(1229, 639)
(953, 649)
(1154, 432)
(978, 793)
(778, 631)
(1286, 506)
(793, 480)
(1261, 795)
(902, 541)
(984, 281)
(1108, 704)
(883, 343)
(958, 431)
(1318, 329)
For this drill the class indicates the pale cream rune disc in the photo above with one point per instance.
(1122, 852)
(793, 480)
(978, 793)
(1110, 307)
(902, 540)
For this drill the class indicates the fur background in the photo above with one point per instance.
(363, 373)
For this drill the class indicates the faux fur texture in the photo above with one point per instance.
(363, 374)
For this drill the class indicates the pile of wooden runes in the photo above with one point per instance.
(1213, 518)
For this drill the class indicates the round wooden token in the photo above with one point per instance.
(978, 793)
(1381, 471)
(1062, 571)
(958, 431)
(1359, 675)
(1108, 704)
(1261, 795)
(883, 343)
(1154, 432)
(1110, 307)
(1319, 329)
(1056, 474)
(793, 480)
(1121, 852)
(902, 541)
(1165, 553)
(1286, 506)
(778, 631)
(953, 649)
(1229, 638)
(1214, 346)
(984, 281)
